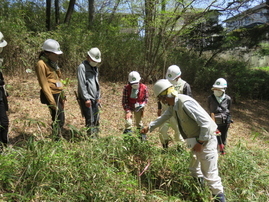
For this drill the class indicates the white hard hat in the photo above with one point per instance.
(95, 54)
(3, 43)
(134, 77)
(53, 46)
(220, 83)
(160, 86)
(173, 72)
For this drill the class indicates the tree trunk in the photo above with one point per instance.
(69, 11)
(57, 12)
(48, 9)
(91, 13)
(149, 34)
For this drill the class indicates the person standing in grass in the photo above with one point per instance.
(89, 92)
(173, 74)
(197, 128)
(49, 78)
(134, 98)
(219, 106)
(4, 121)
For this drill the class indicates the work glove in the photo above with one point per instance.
(137, 109)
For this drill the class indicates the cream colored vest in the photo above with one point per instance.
(187, 126)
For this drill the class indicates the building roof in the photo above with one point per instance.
(249, 11)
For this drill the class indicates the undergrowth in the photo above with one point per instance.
(123, 168)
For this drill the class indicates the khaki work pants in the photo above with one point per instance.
(138, 120)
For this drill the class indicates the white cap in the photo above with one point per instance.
(134, 77)
(3, 43)
(53, 46)
(173, 72)
(220, 83)
(95, 54)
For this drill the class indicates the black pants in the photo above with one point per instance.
(91, 115)
(4, 123)
(57, 115)
(223, 128)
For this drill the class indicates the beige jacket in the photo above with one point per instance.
(49, 80)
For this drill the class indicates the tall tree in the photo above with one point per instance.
(91, 13)
(57, 12)
(150, 11)
(48, 10)
(69, 11)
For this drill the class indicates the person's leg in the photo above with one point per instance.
(58, 117)
(128, 124)
(208, 159)
(224, 133)
(174, 126)
(194, 166)
(96, 118)
(138, 118)
(163, 134)
(4, 123)
(88, 113)
(222, 138)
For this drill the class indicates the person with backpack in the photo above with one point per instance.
(89, 92)
(197, 128)
(49, 78)
(219, 106)
(4, 121)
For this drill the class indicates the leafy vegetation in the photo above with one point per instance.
(117, 168)
(112, 169)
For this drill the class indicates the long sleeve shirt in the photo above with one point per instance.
(142, 97)
(194, 117)
(220, 108)
(88, 83)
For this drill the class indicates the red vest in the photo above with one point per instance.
(140, 96)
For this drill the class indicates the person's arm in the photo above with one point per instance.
(162, 119)
(81, 76)
(146, 96)
(43, 82)
(187, 90)
(125, 101)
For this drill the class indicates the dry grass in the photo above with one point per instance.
(27, 113)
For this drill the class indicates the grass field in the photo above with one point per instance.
(113, 168)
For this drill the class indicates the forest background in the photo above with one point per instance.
(146, 36)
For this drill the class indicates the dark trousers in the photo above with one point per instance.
(4, 123)
(57, 115)
(223, 128)
(91, 115)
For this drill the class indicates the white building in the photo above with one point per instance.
(250, 18)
